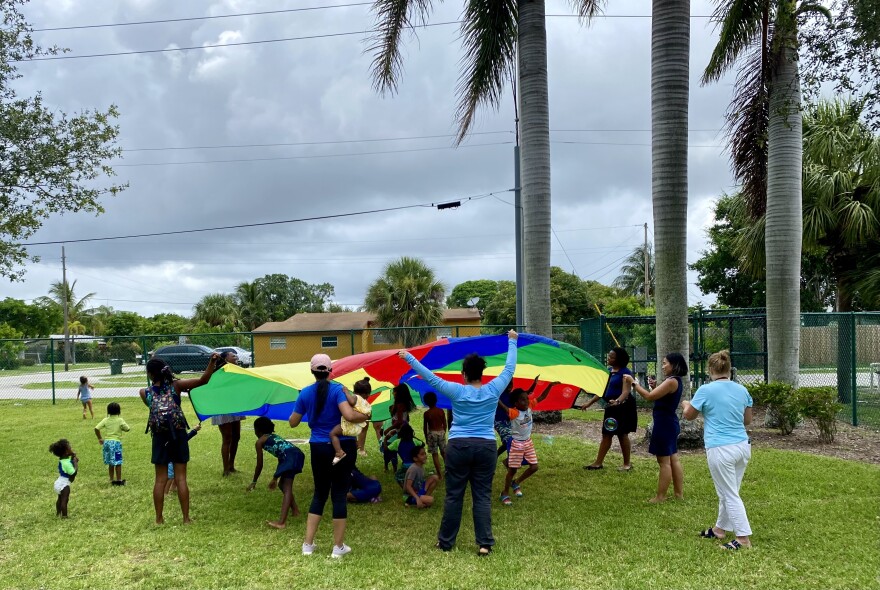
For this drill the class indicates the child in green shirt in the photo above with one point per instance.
(67, 467)
(112, 428)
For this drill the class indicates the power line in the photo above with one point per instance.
(613, 143)
(245, 225)
(194, 18)
(312, 157)
(235, 44)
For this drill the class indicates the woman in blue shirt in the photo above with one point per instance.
(470, 452)
(325, 404)
(727, 410)
(621, 416)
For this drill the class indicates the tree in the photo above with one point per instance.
(765, 133)
(49, 161)
(125, 323)
(76, 308)
(407, 295)
(30, 320)
(216, 309)
(252, 308)
(464, 293)
(570, 301)
(166, 323)
(670, 86)
(501, 310)
(284, 296)
(631, 279)
(502, 39)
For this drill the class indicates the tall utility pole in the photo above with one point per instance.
(517, 208)
(647, 269)
(65, 304)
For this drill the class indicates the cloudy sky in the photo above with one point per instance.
(356, 151)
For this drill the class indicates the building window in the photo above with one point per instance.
(328, 342)
(278, 343)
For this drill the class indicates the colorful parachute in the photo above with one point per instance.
(270, 391)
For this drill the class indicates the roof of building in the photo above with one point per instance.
(350, 320)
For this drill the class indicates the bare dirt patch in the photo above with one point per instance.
(852, 443)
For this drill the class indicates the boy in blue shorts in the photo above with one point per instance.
(417, 489)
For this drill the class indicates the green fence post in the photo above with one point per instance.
(253, 352)
(601, 333)
(52, 366)
(853, 365)
(351, 332)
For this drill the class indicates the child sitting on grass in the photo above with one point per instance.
(109, 430)
(84, 395)
(67, 468)
(171, 484)
(359, 402)
(417, 489)
(435, 431)
(404, 444)
(290, 463)
(522, 448)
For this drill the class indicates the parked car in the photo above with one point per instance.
(245, 358)
(185, 357)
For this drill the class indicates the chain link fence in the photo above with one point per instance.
(839, 350)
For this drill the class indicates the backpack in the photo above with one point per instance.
(165, 412)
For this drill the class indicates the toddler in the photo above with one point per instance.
(290, 463)
(67, 468)
(359, 402)
(109, 430)
(84, 395)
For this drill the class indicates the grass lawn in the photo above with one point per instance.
(815, 523)
(115, 380)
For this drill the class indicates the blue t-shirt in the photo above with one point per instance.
(722, 404)
(323, 423)
(473, 407)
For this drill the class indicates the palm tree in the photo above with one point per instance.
(501, 38)
(765, 131)
(407, 295)
(251, 304)
(76, 308)
(216, 309)
(670, 85)
(631, 279)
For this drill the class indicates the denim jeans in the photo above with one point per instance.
(468, 460)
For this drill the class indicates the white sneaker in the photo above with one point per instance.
(340, 551)
(308, 549)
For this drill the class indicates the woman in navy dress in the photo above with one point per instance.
(664, 436)
(621, 416)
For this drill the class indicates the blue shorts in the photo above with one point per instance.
(112, 451)
(407, 499)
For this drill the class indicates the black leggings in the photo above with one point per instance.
(332, 480)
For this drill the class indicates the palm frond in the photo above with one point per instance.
(489, 38)
(740, 23)
(748, 117)
(588, 9)
(749, 246)
(393, 17)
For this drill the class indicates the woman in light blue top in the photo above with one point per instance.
(727, 410)
(470, 454)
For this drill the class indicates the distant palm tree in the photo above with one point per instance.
(503, 40)
(75, 307)
(216, 309)
(407, 295)
(631, 279)
(251, 305)
(765, 132)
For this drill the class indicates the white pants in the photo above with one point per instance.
(727, 464)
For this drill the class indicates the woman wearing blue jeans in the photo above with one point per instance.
(471, 455)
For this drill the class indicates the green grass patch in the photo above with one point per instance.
(114, 381)
(814, 520)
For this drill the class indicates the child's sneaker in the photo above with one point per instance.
(517, 490)
(340, 551)
(506, 501)
(309, 548)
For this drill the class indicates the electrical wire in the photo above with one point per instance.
(260, 224)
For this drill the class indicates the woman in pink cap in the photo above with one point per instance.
(323, 405)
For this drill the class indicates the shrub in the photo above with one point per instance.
(781, 403)
(819, 404)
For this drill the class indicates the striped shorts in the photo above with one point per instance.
(522, 449)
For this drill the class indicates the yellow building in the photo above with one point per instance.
(297, 338)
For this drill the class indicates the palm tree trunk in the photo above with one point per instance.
(534, 128)
(784, 220)
(670, 52)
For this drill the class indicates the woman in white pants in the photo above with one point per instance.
(727, 410)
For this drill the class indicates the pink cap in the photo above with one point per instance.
(321, 362)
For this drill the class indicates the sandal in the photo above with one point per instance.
(517, 490)
(625, 468)
(709, 533)
(593, 467)
(506, 501)
(338, 459)
(484, 551)
(732, 545)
